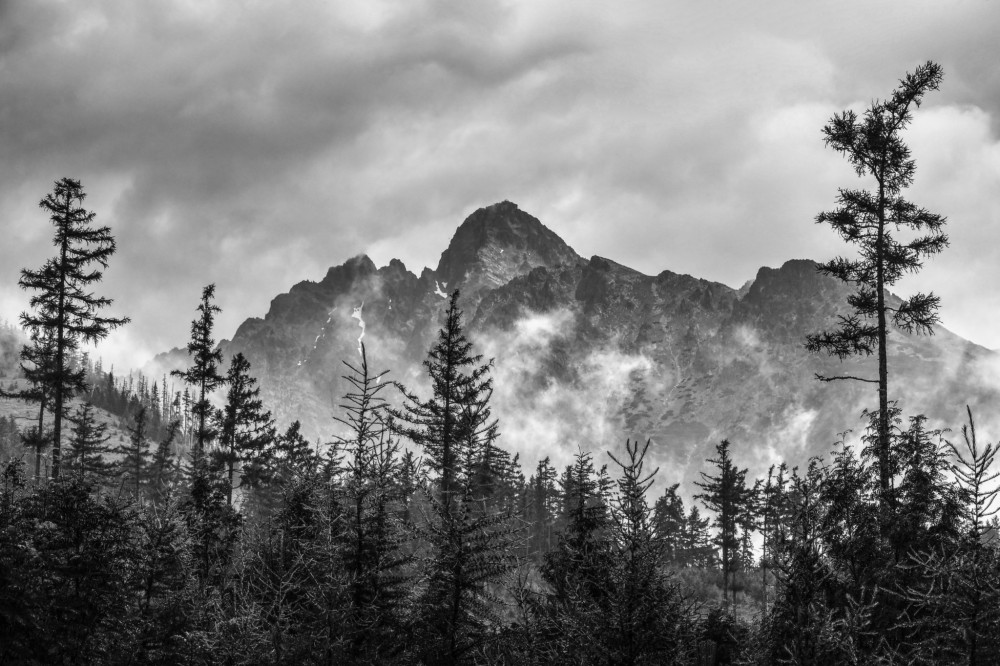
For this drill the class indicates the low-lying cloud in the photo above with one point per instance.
(553, 400)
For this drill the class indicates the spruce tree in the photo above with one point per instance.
(204, 373)
(38, 368)
(927, 507)
(162, 465)
(643, 616)
(65, 311)
(456, 418)
(542, 508)
(134, 463)
(211, 521)
(748, 522)
(697, 549)
(372, 538)
(956, 605)
(78, 607)
(726, 495)
(773, 521)
(471, 547)
(670, 521)
(869, 219)
(88, 447)
(411, 477)
(800, 626)
(161, 581)
(246, 430)
(294, 456)
(578, 569)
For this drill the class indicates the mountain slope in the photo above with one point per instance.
(589, 351)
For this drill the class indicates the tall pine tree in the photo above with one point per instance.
(65, 310)
(246, 429)
(134, 463)
(372, 538)
(204, 373)
(88, 446)
(726, 495)
(456, 417)
(868, 219)
(471, 547)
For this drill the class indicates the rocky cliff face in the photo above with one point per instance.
(298, 348)
(589, 352)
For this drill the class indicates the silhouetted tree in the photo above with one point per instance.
(542, 508)
(65, 312)
(726, 495)
(471, 547)
(956, 601)
(39, 369)
(773, 519)
(670, 522)
(211, 524)
(163, 469)
(578, 569)
(246, 430)
(456, 417)
(372, 538)
(135, 454)
(697, 549)
(642, 621)
(294, 455)
(75, 597)
(88, 447)
(868, 219)
(204, 373)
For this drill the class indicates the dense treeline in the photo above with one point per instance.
(207, 536)
(415, 538)
(121, 398)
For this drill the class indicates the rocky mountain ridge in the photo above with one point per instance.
(589, 351)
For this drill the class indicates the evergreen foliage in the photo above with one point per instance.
(135, 461)
(956, 610)
(577, 570)
(470, 540)
(38, 365)
(454, 425)
(65, 313)
(728, 497)
(204, 371)
(88, 446)
(294, 456)
(542, 509)
(644, 609)
(246, 430)
(372, 537)
(211, 523)
(163, 469)
(868, 219)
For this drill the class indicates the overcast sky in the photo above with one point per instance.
(255, 144)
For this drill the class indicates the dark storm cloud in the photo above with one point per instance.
(226, 142)
(255, 144)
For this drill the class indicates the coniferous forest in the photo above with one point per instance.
(206, 534)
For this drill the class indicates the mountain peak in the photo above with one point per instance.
(497, 243)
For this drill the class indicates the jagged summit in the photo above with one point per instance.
(496, 244)
(587, 349)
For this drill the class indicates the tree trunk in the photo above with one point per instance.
(883, 369)
(60, 359)
(40, 442)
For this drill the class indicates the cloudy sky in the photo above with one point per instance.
(255, 143)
